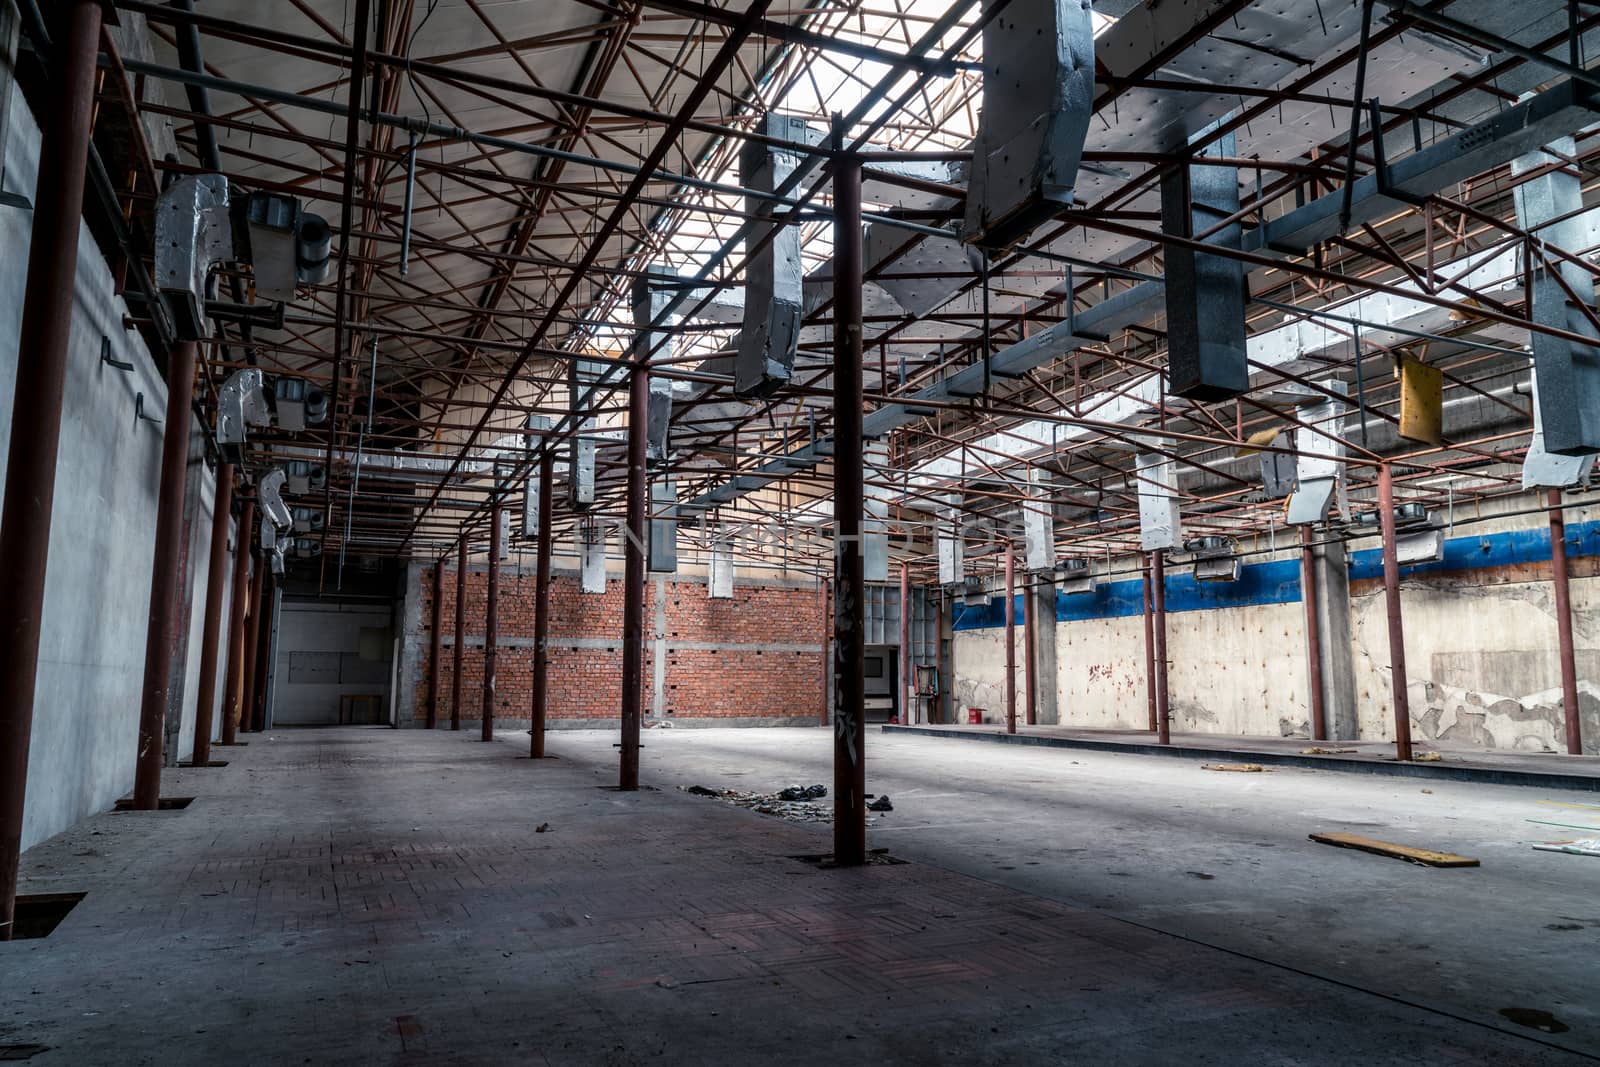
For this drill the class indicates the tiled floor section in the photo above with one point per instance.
(361, 895)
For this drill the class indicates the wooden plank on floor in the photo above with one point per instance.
(1424, 856)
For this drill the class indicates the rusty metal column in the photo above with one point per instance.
(1158, 623)
(1030, 693)
(1011, 641)
(1397, 636)
(849, 600)
(211, 636)
(491, 623)
(633, 576)
(826, 713)
(252, 644)
(1149, 646)
(541, 605)
(461, 632)
(241, 592)
(1308, 595)
(36, 419)
(1569, 667)
(907, 683)
(165, 576)
(433, 645)
(257, 704)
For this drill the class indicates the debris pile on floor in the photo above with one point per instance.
(796, 802)
(1318, 750)
(1589, 846)
(1243, 768)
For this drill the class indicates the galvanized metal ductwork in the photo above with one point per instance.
(582, 377)
(1569, 403)
(663, 528)
(1160, 523)
(193, 234)
(1205, 293)
(650, 297)
(289, 246)
(241, 403)
(773, 302)
(1038, 97)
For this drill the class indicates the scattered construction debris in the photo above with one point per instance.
(1426, 857)
(1242, 768)
(798, 803)
(1588, 846)
(881, 804)
(1319, 751)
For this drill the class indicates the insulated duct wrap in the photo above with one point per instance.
(193, 234)
(1569, 403)
(1038, 96)
(1159, 521)
(1205, 293)
(649, 298)
(774, 275)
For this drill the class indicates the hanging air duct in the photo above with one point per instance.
(1074, 578)
(1319, 466)
(298, 403)
(193, 234)
(774, 276)
(307, 520)
(1569, 403)
(1038, 96)
(241, 402)
(307, 547)
(530, 484)
(875, 514)
(289, 246)
(592, 558)
(1205, 293)
(305, 476)
(1160, 525)
(269, 491)
(650, 297)
(719, 585)
(583, 376)
(950, 545)
(1038, 524)
(1541, 469)
(663, 528)
(1216, 558)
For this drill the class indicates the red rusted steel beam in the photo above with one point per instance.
(252, 646)
(491, 622)
(461, 632)
(1569, 667)
(1391, 595)
(908, 687)
(233, 681)
(1011, 640)
(1308, 596)
(166, 577)
(433, 645)
(211, 634)
(633, 576)
(1158, 622)
(1149, 646)
(257, 705)
(541, 608)
(849, 648)
(36, 418)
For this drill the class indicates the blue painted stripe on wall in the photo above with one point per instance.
(1278, 581)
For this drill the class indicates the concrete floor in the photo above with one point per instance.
(362, 895)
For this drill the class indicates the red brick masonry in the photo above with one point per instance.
(755, 656)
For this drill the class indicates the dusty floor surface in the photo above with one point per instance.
(362, 895)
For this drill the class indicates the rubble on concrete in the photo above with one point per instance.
(797, 803)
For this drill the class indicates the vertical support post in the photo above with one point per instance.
(257, 704)
(433, 643)
(241, 598)
(165, 576)
(908, 688)
(1030, 699)
(1149, 647)
(1158, 623)
(461, 633)
(1011, 641)
(252, 645)
(849, 600)
(36, 419)
(825, 712)
(1308, 597)
(633, 573)
(211, 635)
(541, 606)
(491, 623)
(1391, 596)
(1569, 667)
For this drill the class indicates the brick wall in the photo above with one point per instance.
(754, 658)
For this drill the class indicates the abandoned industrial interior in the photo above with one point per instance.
(736, 532)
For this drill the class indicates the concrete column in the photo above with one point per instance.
(233, 680)
(1042, 609)
(1338, 652)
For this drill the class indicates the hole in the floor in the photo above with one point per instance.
(208, 763)
(38, 914)
(1535, 1018)
(21, 1052)
(876, 857)
(164, 804)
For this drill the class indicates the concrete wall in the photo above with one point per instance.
(1480, 643)
(320, 658)
(97, 584)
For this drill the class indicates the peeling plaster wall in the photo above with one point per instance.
(980, 673)
(1100, 673)
(1481, 661)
